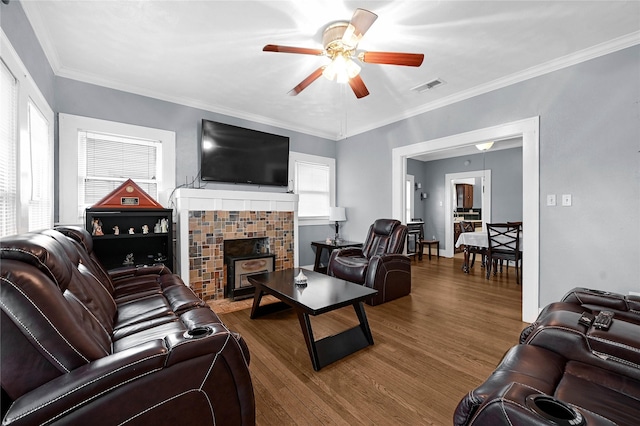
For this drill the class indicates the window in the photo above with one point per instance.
(40, 156)
(8, 148)
(106, 161)
(26, 149)
(100, 155)
(314, 182)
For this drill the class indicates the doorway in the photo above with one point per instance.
(528, 130)
(449, 180)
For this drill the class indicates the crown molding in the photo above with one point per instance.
(575, 58)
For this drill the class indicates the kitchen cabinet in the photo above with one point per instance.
(464, 195)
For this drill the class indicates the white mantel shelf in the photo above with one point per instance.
(208, 199)
(190, 199)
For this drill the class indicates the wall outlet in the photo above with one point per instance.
(566, 200)
(551, 199)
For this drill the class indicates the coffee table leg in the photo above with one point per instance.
(257, 297)
(364, 324)
(305, 324)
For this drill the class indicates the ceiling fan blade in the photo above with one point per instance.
(392, 58)
(307, 81)
(361, 20)
(358, 87)
(291, 49)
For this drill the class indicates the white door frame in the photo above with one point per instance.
(411, 180)
(447, 247)
(528, 129)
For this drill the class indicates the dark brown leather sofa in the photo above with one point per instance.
(378, 264)
(81, 345)
(566, 370)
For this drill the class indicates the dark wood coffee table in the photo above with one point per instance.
(321, 294)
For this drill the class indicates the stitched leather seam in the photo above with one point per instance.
(213, 362)
(47, 320)
(101, 286)
(96, 319)
(28, 253)
(608, 357)
(146, 410)
(89, 383)
(614, 343)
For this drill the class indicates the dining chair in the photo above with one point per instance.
(514, 224)
(504, 245)
(466, 226)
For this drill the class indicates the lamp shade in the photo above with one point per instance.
(337, 214)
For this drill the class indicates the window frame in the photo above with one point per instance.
(295, 157)
(28, 94)
(70, 125)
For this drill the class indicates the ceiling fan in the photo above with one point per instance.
(340, 41)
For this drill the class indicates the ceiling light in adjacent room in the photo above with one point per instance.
(484, 146)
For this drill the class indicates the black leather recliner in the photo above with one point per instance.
(567, 370)
(85, 345)
(379, 264)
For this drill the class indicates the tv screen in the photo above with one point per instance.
(237, 155)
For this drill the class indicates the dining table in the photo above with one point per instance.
(478, 239)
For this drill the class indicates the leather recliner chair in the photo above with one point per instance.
(379, 264)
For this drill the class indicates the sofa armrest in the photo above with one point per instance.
(390, 274)
(519, 404)
(613, 349)
(176, 380)
(69, 391)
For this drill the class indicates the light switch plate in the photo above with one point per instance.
(566, 200)
(551, 199)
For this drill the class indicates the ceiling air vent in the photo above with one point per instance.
(428, 85)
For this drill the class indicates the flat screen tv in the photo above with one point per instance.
(237, 155)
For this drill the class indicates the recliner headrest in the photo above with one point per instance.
(79, 234)
(44, 252)
(385, 226)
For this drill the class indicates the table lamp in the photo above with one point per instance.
(337, 214)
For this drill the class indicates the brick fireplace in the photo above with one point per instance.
(206, 218)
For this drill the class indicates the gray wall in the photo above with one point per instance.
(74, 97)
(589, 144)
(506, 188)
(16, 26)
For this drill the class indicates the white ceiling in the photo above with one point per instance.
(208, 54)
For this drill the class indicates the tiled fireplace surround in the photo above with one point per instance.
(206, 218)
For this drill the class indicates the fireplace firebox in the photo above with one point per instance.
(239, 268)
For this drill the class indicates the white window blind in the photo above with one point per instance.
(313, 186)
(8, 149)
(105, 161)
(40, 164)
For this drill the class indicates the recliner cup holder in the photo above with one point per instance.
(555, 411)
(198, 333)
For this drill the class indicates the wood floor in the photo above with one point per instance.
(430, 349)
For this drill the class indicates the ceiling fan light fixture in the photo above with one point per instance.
(341, 69)
(349, 38)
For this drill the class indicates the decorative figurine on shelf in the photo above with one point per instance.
(116, 230)
(145, 229)
(157, 228)
(132, 231)
(96, 224)
(164, 225)
(128, 260)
